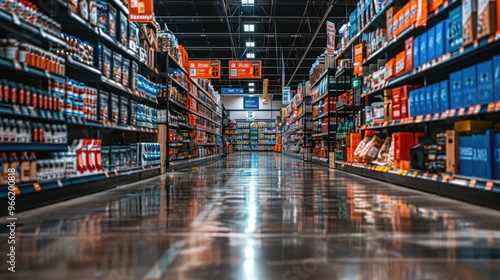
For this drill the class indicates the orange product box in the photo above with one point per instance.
(396, 22)
(469, 21)
(403, 141)
(434, 5)
(409, 54)
(413, 11)
(389, 69)
(486, 18)
(406, 17)
(389, 20)
(353, 139)
(400, 63)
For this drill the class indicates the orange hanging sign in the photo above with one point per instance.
(140, 11)
(241, 69)
(204, 69)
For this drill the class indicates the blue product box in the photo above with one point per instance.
(416, 51)
(429, 106)
(455, 29)
(416, 102)
(440, 39)
(485, 82)
(465, 155)
(496, 156)
(469, 83)
(444, 96)
(423, 103)
(496, 77)
(411, 103)
(456, 90)
(431, 37)
(436, 108)
(482, 154)
(423, 49)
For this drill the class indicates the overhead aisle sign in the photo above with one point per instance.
(242, 69)
(330, 31)
(231, 91)
(250, 103)
(265, 93)
(204, 69)
(286, 95)
(140, 11)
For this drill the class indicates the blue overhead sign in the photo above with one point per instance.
(250, 103)
(232, 91)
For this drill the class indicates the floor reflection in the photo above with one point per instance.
(257, 216)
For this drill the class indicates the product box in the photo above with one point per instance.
(472, 126)
(403, 141)
(93, 13)
(444, 96)
(105, 60)
(411, 103)
(436, 108)
(429, 102)
(469, 83)
(485, 93)
(454, 30)
(123, 38)
(103, 106)
(83, 9)
(112, 19)
(452, 152)
(434, 5)
(423, 48)
(105, 158)
(466, 153)
(441, 40)
(409, 65)
(115, 108)
(456, 90)
(404, 107)
(483, 154)
(133, 113)
(102, 15)
(431, 37)
(469, 21)
(125, 72)
(416, 52)
(496, 156)
(423, 103)
(486, 18)
(123, 110)
(400, 63)
(123, 157)
(134, 73)
(114, 158)
(416, 102)
(133, 37)
(133, 155)
(117, 67)
(496, 77)
(389, 69)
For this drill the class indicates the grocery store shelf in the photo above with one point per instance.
(32, 147)
(16, 67)
(321, 161)
(320, 98)
(109, 125)
(207, 144)
(190, 163)
(322, 116)
(77, 65)
(32, 195)
(474, 190)
(318, 135)
(321, 77)
(30, 112)
(343, 71)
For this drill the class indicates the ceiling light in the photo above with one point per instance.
(251, 89)
(249, 27)
(250, 44)
(247, 2)
(250, 55)
(251, 84)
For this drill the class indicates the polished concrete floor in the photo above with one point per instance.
(256, 216)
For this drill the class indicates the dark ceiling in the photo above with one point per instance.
(294, 29)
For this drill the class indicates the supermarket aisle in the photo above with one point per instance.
(257, 216)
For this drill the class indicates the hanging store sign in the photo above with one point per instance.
(250, 103)
(204, 69)
(245, 69)
(140, 11)
(250, 115)
(265, 93)
(330, 41)
(286, 95)
(232, 91)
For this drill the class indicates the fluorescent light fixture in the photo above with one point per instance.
(249, 27)
(247, 2)
(251, 84)
(250, 55)
(251, 95)
(250, 44)
(251, 89)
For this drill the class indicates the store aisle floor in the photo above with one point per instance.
(256, 216)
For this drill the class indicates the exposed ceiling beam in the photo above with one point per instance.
(254, 34)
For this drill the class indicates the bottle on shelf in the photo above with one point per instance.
(33, 166)
(14, 164)
(4, 166)
(25, 175)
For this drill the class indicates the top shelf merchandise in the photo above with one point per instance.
(254, 136)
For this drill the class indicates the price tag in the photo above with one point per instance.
(491, 107)
(143, 168)
(497, 106)
(461, 112)
(473, 183)
(116, 172)
(489, 186)
(17, 109)
(471, 110)
(385, 124)
(445, 179)
(106, 174)
(444, 115)
(415, 174)
(42, 33)
(437, 116)
(405, 173)
(18, 66)
(435, 177)
(426, 175)
(37, 187)
(428, 118)
(59, 183)
(419, 119)
(452, 113)
(15, 19)
(400, 172)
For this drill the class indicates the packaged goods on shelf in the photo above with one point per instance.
(147, 87)
(146, 116)
(105, 59)
(123, 27)
(117, 67)
(19, 131)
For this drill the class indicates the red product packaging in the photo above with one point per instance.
(403, 141)
(409, 54)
